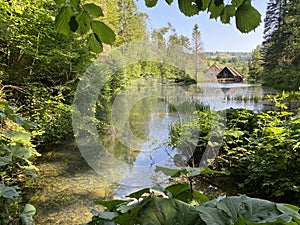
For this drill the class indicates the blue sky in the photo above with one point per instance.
(215, 35)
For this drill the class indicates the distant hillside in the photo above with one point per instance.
(237, 59)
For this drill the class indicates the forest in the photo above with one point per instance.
(46, 46)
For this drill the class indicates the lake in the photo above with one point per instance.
(141, 117)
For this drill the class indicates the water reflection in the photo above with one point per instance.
(67, 187)
(150, 120)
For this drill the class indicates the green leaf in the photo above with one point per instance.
(237, 3)
(293, 207)
(104, 33)
(93, 43)
(203, 4)
(257, 211)
(73, 24)
(188, 8)
(176, 189)
(138, 194)
(169, 2)
(8, 192)
(5, 160)
(75, 3)
(183, 192)
(104, 215)
(112, 204)
(289, 209)
(29, 210)
(62, 20)
(21, 152)
(177, 171)
(84, 24)
(166, 211)
(228, 12)
(170, 171)
(213, 215)
(27, 214)
(200, 197)
(151, 3)
(18, 136)
(94, 10)
(247, 17)
(218, 2)
(3, 115)
(59, 2)
(215, 10)
(24, 123)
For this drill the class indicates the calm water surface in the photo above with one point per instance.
(66, 188)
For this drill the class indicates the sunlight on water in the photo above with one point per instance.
(67, 186)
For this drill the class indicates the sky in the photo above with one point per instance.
(215, 35)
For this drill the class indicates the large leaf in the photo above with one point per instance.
(62, 20)
(213, 215)
(237, 3)
(24, 123)
(8, 192)
(247, 17)
(21, 152)
(59, 2)
(289, 209)
(112, 204)
(104, 215)
(177, 171)
(183, 193)
(138, 194)
(84, 24)
(93, 44)
(151, 3)
(29, 210)
(203, 4)
(188, 7)
(255, 211)
(19, 136)
(218, 2)
(131, 211)
(5, 160)
(27, 214)
(228, 12)
(167, 211)
(75, 3)
(215, 10)
(104, 33)
(94, 10)
(176, 189)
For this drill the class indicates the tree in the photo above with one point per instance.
(132, 24)
(281, 46)
(255, 64)
(197, 47)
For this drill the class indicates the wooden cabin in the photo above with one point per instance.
(224, 74)
(230, 74)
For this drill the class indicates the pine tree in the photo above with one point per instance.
(197, 47)
(281, 46)
(255, 64)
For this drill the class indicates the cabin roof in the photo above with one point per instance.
(233, 70)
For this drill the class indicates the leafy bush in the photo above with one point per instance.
(261, 151)
(167, 206)
(16, 154)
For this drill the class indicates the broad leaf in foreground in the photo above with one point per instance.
(247, 17)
